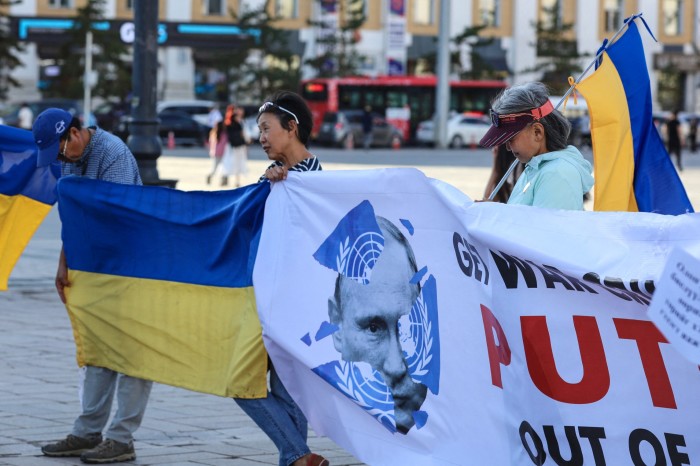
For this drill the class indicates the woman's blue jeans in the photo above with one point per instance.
(280, 418)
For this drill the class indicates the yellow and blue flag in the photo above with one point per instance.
(26, 195)
(633, 171)
(161, 283)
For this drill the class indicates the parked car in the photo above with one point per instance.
(197, 109)
(345, 127)
(463, 129)
(186, 130)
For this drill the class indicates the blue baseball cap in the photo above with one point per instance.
(48, 129)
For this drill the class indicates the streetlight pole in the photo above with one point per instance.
(87, 80)
(442, 93)
(143, 130)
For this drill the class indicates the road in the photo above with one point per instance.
(466, 169)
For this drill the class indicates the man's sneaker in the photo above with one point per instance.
(72, 445)
(109, 451)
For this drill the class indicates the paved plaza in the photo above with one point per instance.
(39, 375)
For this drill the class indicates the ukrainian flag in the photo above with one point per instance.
(633, 171)
(26, 195)
(161, 283)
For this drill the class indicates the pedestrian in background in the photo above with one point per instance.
(502, 160)
(367, 125)
(214, 116)
(217, 147)
(25, 116)
(236, 160)
(285, 126)
(673, 138)
(693, 135)
(97, 154)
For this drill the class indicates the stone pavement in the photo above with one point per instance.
(39, 377)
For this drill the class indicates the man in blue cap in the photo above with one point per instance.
(97, 154)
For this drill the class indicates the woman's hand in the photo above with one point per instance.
(276, 173)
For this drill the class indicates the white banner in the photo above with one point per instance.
(414, 326)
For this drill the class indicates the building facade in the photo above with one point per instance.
(398, 37)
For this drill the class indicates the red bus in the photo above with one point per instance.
(416, 93)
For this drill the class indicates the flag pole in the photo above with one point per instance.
(564, 97)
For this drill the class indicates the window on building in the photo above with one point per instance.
(552, 14)
(60, 3)
(671, 16)
(213, 7)
(490, 13)
(287, 9)
(129, 4)
(614, 11)
(424, 11)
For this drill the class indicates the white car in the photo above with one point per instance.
(463, 130)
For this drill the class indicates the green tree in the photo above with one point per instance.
(9, 47)
(338, 42)
(266, 63)
(109, 58)
(480, 68)
(559, 53)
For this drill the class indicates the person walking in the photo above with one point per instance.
(214, 116)
(285, 126)
(367, 126)
(93, 153)
(502, 160)
(693, 134)
(237, 161)
(25, 116)
(217, 147)
(673, 136)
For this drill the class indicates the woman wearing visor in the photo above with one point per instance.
(556, 175)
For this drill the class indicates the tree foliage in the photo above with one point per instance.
(109, 55)
(479, 68)
(266, 63)
(338, 55)
(9, 48)
(558, 53)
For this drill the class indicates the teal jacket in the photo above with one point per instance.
(555, 180)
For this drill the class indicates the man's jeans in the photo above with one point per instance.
(280, 418)
(98, 393)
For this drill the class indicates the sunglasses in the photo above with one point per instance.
(267, 105)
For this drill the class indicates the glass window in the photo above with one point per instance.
(552, 14)
(60, 3)
(672, 21)
(129, 4)
(614, 14)
(287, 9)
(490, 13)
(424, 11)
(214, 7)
